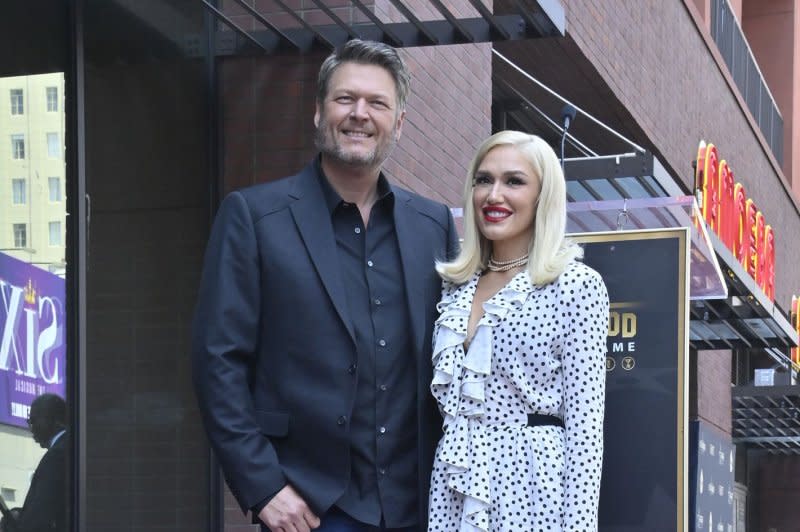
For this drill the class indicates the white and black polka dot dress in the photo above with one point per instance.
(537, 349)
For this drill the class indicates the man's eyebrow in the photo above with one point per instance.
(348, 91)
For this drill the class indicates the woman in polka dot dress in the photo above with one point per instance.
(519, 355)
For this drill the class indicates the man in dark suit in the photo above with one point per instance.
(312, 335)
(44, 508)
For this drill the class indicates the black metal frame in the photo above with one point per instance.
(767, 417)
(743, 67)
(76, 255)
(216, 501)
(610, 167)
(523, 24)
(746, 313)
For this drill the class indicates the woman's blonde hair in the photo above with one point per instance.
(550, 251)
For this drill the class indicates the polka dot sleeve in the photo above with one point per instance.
(585, 321)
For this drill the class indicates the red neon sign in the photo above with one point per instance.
(726, 186)
(769, 263)
(735, 218)
(707, 180)
(741, 241)
(795, 315)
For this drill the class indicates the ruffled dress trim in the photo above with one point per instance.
(459, 386)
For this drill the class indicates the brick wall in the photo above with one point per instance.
(776, 503)
(267, 112)
(233, 518)
(711, 388)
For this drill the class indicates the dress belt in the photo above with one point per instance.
(539, 420)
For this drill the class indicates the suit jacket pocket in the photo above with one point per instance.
(274, 424)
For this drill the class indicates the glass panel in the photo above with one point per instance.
(632, 187)
(147, 132)
(33, 387)
(655, 186)
(577, 192)
(54, 186)
(19, 194)
(55, 233)
(17, 146)
(52, 99)
(706, 280)
(604, 188)
(53, 146)
(34, 426)
(17, 102)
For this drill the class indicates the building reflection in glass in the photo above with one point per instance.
(32, 267)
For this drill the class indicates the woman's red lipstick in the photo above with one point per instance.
(490, 214)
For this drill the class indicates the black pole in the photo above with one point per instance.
(567, 116)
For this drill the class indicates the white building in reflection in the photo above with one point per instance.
(32, 169)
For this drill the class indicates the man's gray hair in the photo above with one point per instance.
(366, 53)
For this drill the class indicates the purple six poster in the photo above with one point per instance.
(32, 340)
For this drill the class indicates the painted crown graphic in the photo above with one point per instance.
(30, 293)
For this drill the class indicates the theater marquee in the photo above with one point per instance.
(734, 217)
(645, 464)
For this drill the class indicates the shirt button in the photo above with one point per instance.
(341, 421)
(369, 263)
(358, 230)
(382, 342)
(382, 430)
(377, 301)
(352, 369)
(382, 387)
(382, 471)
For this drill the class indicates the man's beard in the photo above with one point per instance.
(325, 142)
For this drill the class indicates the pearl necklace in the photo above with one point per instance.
(505, 265)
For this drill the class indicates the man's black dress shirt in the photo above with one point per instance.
(383, 429)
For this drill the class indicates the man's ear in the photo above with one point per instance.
(316, 115)
(399, 128)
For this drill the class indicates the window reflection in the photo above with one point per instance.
(17, 105)
(32, 295)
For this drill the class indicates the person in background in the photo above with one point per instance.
(44, 509)
(519, 355)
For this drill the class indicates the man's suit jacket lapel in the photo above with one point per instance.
(406, 220)
(314, 223)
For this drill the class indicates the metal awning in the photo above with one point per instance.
(705, 276)
(746, 319)
(285, 29)
(767, 417)
(634, 175)
(629, 191)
